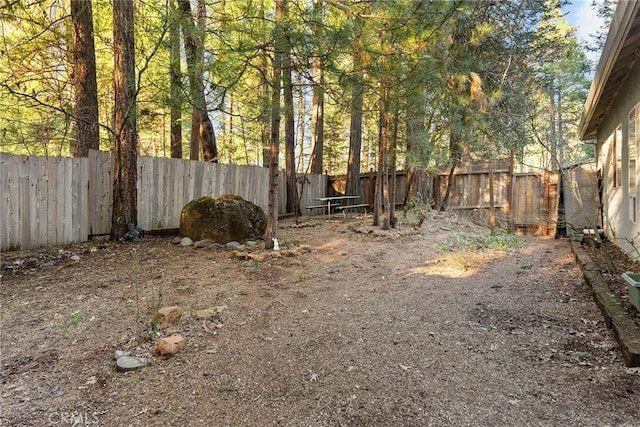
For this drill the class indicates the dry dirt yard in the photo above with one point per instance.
(356, 327)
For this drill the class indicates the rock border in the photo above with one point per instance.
(626, 331)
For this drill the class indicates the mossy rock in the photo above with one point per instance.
(224, 219)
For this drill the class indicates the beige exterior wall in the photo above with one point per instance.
(618, 199)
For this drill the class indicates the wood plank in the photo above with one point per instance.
(68, 227)
(42, 196)
(181, 188)
(13, 228)
(104, 193)
(4, 201)
(25, 213)
(60, 200)
(75, 196)
(170, 200)
(142, 183)
(154, 191)
(29, 168)
(52, 200)
(83, 199)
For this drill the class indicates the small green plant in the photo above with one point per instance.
(76, 317)
(184, 287)
(155, 304)
(502, 242)
(419, 208)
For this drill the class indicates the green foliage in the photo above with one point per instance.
(418, 209)
(75, 317)
(502, 242)
(477, 70)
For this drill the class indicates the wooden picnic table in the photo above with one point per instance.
(328, 201)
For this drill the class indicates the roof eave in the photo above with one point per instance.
(618, 31)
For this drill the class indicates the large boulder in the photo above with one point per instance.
(223, 219)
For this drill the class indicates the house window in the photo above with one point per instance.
(634, 118)
(617, 157)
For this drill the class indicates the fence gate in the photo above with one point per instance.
(535, 203)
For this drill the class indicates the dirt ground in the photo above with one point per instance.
(355, 327)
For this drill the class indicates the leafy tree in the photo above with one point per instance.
(605, 10)
(36, 90)
(561, 88)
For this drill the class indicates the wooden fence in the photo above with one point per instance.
(44, 200)
(535, 203)
(47, 200)
(528, 203)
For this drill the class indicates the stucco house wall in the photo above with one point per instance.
(618, 222)
(613, 97)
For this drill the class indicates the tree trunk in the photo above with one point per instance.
(415, 153)
(289, 130)
(175, 83)
(84, 80)
(392, 170)
(202, 133)
(125, 154)
(317, 114)
(301, 167)
(317, 118)
(355, 127)
(272, 215)
(265, 120)
(383, 163)
(456, 152)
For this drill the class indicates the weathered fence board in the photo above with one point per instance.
(535, 206)
(44, 201)
(581, 196)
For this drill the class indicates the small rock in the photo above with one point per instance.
(218, 245)
(48, 264)
(201, 244)
(119, 353)
(169, 316)
(176, 240)
(233, 245)
(251, 243)
(288, 252)
(258, 257)
(166, 347)
(75, 258)
(276, 254)
(131, 363)
(186, 241)
(240, 255)
(202, 314)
